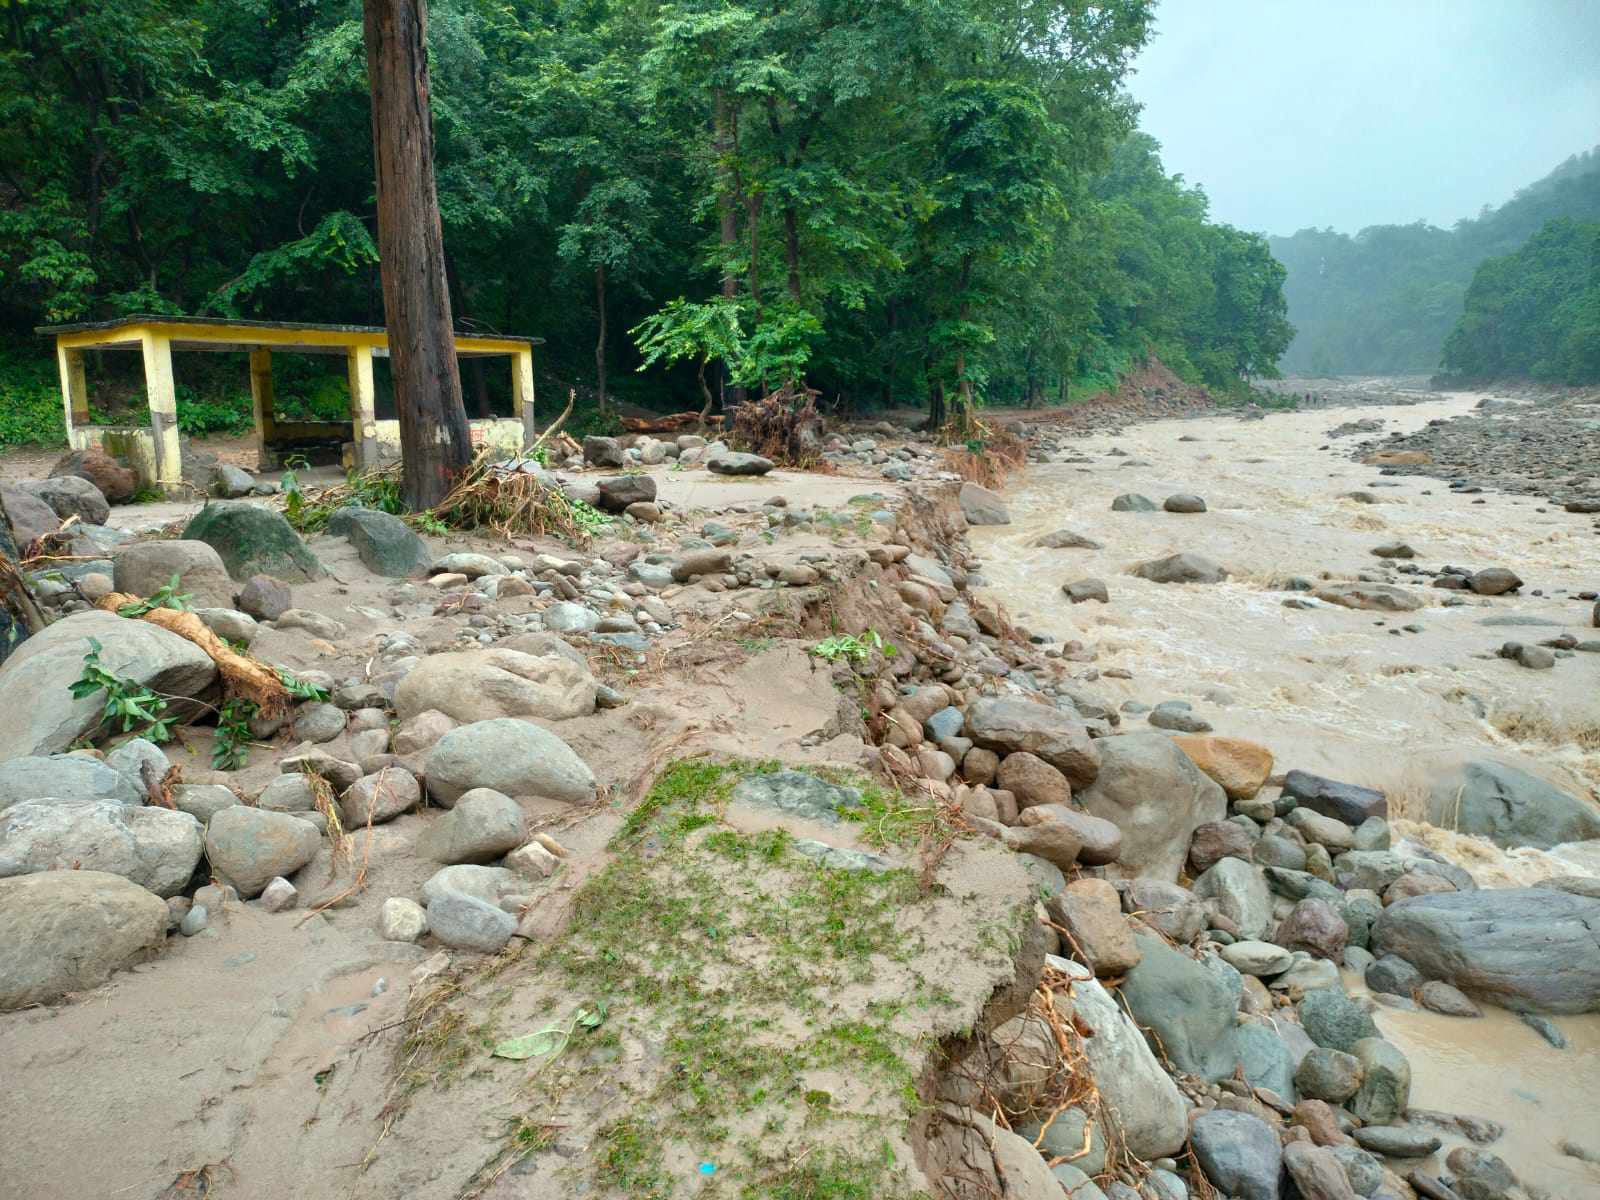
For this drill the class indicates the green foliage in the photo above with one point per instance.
(230, 750)
(165, 596)
(30, 401)
(228, 413)
(856, 649)
(132, 704)
(1535, 313)
(1386, 299)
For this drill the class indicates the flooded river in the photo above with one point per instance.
(1347, 693)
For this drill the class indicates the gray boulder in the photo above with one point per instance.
(619, 491)
(1377, 597)
(1008, 724)
(797, 793)
(231, 482)
(142, 568)
(202, 801)
(603, 452)
(157, 848)
(1133, 502)
(30, 516)
(1188, 1009)
(473, 566)
(69, 931)
(510, 756)
(1264, 1059)
(730, 462)
(1385, 1091)
(483, 826)
(1526, 949)
(1346, 802)
(252, 539)
(1186, 567)
(1151, 790)
(1509, 807)
(65, 777)
(379, 797)
(248, 847)
(71, 496)
(467, 923)
(1144, 1103)
(1332, 1020)
(229, 624)
(481, 685)
(1184, 502)
(1239, 1153)
(386, 544)
(982, 507)
(489, 884)
(44, 668)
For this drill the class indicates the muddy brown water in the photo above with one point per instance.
(1335, 690)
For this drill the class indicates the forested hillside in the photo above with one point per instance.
(1536, 313)
(899, 201)
(1387, 298)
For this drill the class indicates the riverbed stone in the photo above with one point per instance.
(1240, 767)
(1032, 780)
(510, 756)
(379, 797)
(483, 826)
(1261, 959)
(1154, 793)
(481, 685)
(1527, 949)
(467, 923)
(252, 539)
(1216, 840)
(69, 931)
(731, 462)
(385, 544)
(1335, 1021)
(65, 777)
(1188, 1009)
(1098, 931)
(1385, 1091)
(1398, 1141)
(1010, 725)
(157, 848)
(401, 920)
(1241, 894)
(248, 847)
(1144, 1103)
(1438, 996)
(981, 506)
(1331, 1075)
(1239, 1153)
(1133, 502)
(1346, 802)
(1509, 807)
(1184, 567)
(1316, 927)
(1317, 1174)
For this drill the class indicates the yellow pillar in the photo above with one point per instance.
(162, 397)
(363, 407)
(262, 401)
(522, 392)
(74, 390)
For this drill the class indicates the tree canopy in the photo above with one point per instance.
(897, 201)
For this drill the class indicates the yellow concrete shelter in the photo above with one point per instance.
(153, 451)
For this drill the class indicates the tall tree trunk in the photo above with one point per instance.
(434, 442)
(600, 342)
(725, 130)
(791, 251)
(753, 219)
(963, 413)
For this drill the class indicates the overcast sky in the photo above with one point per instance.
(1348, 113)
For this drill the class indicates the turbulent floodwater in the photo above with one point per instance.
(1339, 691)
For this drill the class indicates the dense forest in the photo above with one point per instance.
(1386, 299)
(899, 202)
(1536, 313)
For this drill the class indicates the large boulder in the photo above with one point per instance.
(982, 507)
(142, 568)
(1152, 791)
(111, 479)
(483, 826)
(72, 496)
(510, 756)
(1186, 567)
(1188, 1008)
(1240, 1154)
(157, 848)
(1240, 768)
(253, 540)
(30, 516)
(1144, 1103)
(480, 685)
(68, 931)
(65, 777)
(1347, 802)
(1008, 725)
(1527, 949)
(619, 491)
(1509, 807)
(1241, 894)
(44, 668)
(731, 462)
(249, 847)
(386, 544)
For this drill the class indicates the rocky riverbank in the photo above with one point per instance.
(702, 854)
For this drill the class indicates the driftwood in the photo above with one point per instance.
(243, 677)
(669, 422)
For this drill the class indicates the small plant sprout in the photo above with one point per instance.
(854, 648)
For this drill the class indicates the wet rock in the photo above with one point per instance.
(1011, 725)
(1239, 767)
(253, 540)
(1527, 949)
(1397, 1141)
(1393, 975)
(1239, 1154)
(981, 506)
(1178, 715)
(1377, 597)
(1394, 550)
(1385, 1091)
(1344, 801)
(248, 847)
(1316, 1172)
(509, 756)
(319, 723)
(1144, 1103)
(1261, 959)
(1240, 893)
(1216, 840)
(1153, 792)
(1438, 996)
(1494, 581)
(69, 931)
(1315, 927)
(1330, 1075)
(1086, 589)
(1133, 502)
(1480, 1175)
(1065, 539)
(1333, 1020)
(45, 667)
(482, 685)
(483, 826)
(1186, 567)
(386, 544)
(379, 797)
(1099, 933)
(1184, 502)
(1189, 1008)
(467, 923)
(617, 492)
(1509, 807)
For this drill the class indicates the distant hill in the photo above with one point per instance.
(1386, 299)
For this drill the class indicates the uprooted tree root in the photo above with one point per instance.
(784, 426)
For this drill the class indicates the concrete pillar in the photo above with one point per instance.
(363, 407)
(262, 402)
(74, 390)
(162, 398)
(522, 392)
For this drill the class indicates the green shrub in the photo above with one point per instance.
(30, 403)
(216, 414)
